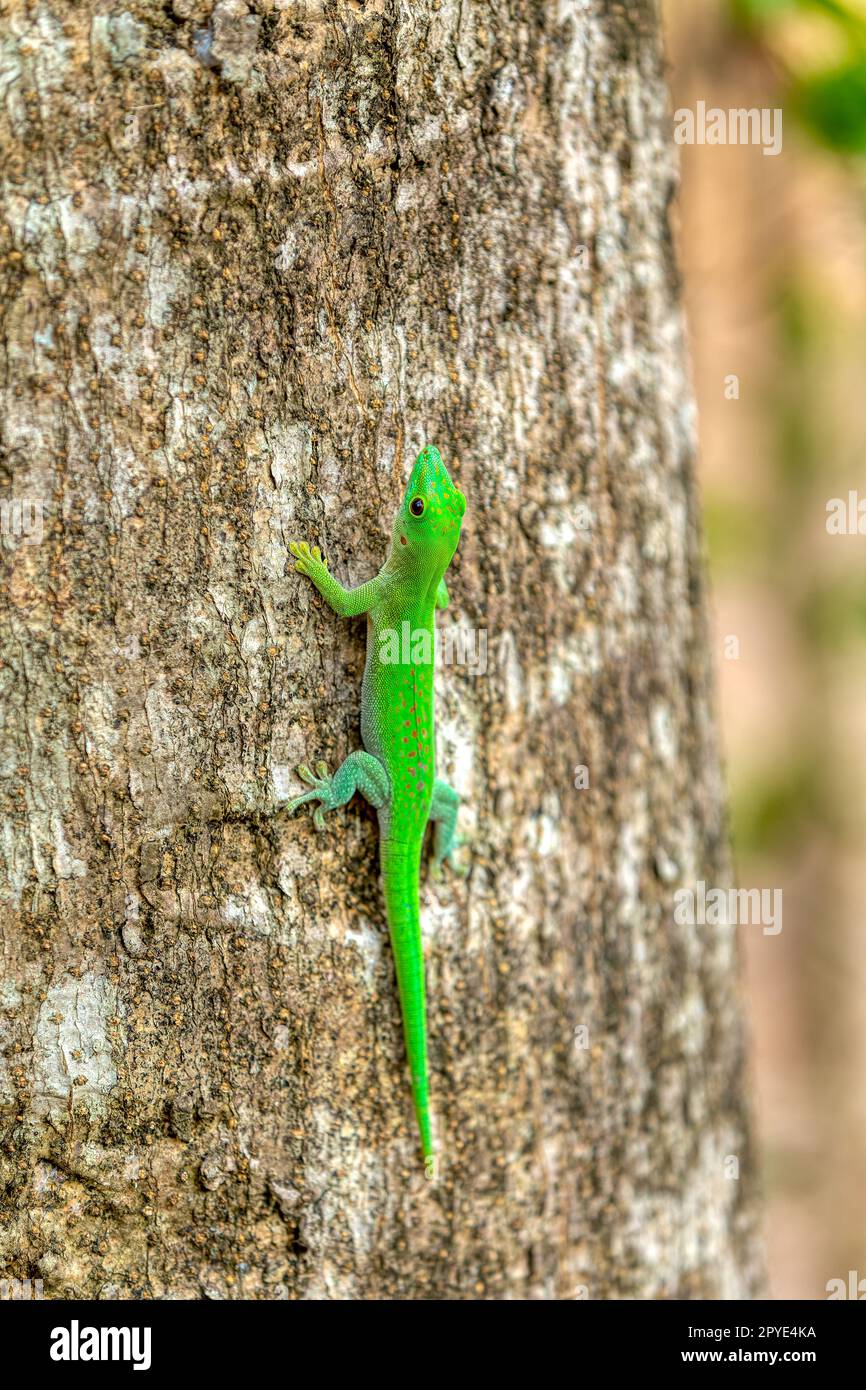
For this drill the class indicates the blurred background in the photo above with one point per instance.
(773, 255)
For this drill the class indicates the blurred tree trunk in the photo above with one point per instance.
(252, 258)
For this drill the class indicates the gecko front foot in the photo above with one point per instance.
(308, 559)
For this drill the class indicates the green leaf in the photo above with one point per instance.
(833, 106)
(772, 810)
(833, 616)
(753, 11)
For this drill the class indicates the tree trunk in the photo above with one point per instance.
(253, 257)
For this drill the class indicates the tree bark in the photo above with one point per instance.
(253, 257)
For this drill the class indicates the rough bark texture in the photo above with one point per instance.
(252, 257)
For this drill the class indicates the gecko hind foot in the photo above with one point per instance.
(320, 784)
(449, 858)
(443, 815)
(360, 772)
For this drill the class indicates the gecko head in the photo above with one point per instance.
(428, 523)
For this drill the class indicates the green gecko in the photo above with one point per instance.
(396, 770)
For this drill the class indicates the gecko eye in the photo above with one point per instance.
(416, 506)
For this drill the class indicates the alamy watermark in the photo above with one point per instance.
(455, 646)
(723, 907)
(20, 1290)
(854, 1288)
(738, 126)
(21, 519)
(846, 517)
(77, 1343)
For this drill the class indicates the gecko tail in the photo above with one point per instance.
(400, 869)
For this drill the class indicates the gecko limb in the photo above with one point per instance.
(443, 814)
(348, 603)
(361, 772)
